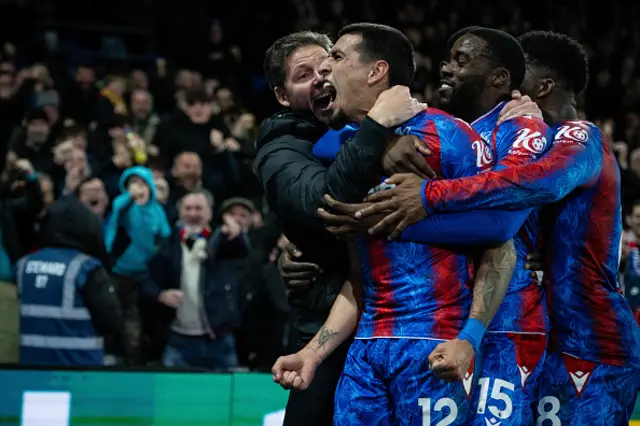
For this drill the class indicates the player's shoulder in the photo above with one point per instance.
(530, 122)
(576, 131)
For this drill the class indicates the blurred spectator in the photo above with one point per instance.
(57, 330)
(185, 176)
(82, 96)
(632, 264)
(111, 100)
(136, 227)
(192, 278)
(33, 141)
(92, 193)
(197, 130)
(144, 120)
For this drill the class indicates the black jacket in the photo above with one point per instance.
(295, 181)
(72, 225)
(18, 216)
(219, 289)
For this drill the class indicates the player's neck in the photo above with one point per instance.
(486, 103)
(558, 107)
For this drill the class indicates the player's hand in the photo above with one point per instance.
(24, 166)
(405, 154)
(230, 227)
(296, 371)
(534, 263)
(171, 298)
(296, 275)
(450, 360)
(519, 105)
(394, 106)
(340, 218)
(403, 204)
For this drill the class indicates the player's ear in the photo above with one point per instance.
(378, 72)
(501, 78)
(281, 96)
(545, 87)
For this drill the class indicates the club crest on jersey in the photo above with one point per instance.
(570, 134)
(529, 142)
(484, 157)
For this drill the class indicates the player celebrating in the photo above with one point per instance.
(415, 296)
(483, 66)
(592, 372)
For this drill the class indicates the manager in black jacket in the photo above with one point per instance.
(295, 182)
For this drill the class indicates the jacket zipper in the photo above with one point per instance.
(203, 313)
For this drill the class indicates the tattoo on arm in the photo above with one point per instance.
(492, 280)
(323, 336)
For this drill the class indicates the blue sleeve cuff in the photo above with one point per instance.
(473, 332)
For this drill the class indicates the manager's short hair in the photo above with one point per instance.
(277, 54)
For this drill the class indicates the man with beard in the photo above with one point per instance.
(483, 67)
(295, 181)
(413, 296)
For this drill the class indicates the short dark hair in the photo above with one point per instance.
(561, 54)
(503, 50)
(277, 54)
(35, 114)
(381, 42)
(196, 95)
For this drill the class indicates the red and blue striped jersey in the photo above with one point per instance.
(591, 319)
(416, 290)
(516, 142)
(579, 177)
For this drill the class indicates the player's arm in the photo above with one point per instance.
(573, 161)
(476, 227)
(345, 312)
(295, 181)
(469, 157)
(450, 360)
(494, 272)
(297, 370)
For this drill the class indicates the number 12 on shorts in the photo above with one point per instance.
(439, 405)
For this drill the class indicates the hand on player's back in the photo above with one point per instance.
(297, 275)
(519, 105)
(402, 205)
(296, 371)
(405, 154)
(339, 218)
(451, 360)
(394, 106)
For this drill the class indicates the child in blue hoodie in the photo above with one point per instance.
(135, 229)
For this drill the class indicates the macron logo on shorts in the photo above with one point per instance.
(579, 371)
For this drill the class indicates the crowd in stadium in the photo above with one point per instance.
(161, 152)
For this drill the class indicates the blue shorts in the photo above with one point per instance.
(388, 382)
(578, 392)
(511, 366)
